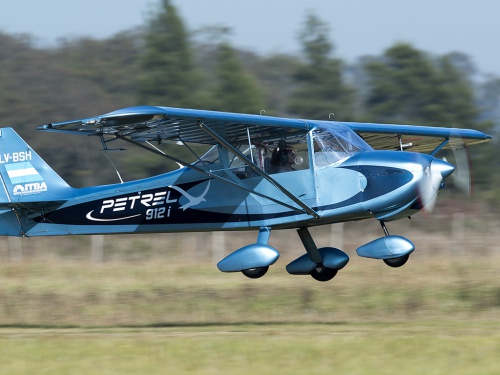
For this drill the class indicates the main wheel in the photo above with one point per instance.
(397, 262)
(322, 273)
(255, 273)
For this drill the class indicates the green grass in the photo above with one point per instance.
(398, 348)
(158, 305)
(73, 317)
(80, 294)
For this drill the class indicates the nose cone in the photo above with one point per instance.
(443, 167)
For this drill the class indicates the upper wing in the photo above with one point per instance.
(415, 138)
(147, 123)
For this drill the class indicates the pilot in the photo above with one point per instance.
(282, 158)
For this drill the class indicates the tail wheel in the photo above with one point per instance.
(397, 262)
(255, 273)
(323, 273)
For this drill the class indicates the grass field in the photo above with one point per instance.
(158, 305)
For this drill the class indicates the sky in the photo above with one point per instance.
(358, 27)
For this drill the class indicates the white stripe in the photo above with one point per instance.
(22, 172)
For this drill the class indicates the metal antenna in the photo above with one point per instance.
(105, 148)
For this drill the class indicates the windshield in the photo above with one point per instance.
(334, 143)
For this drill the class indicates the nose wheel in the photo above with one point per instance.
(397, 262)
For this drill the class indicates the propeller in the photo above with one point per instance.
(438, 170)
(462, 176)
(431, 182)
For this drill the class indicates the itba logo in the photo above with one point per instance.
(31, 188)
(25, 178)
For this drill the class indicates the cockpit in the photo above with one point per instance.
(328, 144)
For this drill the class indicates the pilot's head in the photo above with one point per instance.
(286, 153)
(282, 145)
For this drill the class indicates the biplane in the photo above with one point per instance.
(260, 173)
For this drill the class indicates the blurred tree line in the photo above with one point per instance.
(165, 64)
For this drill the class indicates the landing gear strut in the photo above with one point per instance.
(322, 264)
(394, 262)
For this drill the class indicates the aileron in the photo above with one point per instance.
(417, 138)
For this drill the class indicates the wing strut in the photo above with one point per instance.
(209, 173)
(440, 146)
(259, 171)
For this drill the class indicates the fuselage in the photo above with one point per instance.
(380, 184)
(324, 175)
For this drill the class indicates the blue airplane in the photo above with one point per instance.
(260, 173)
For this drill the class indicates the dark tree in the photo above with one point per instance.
(235, 89)
(169, 76)
(407, 86)
(320, 89)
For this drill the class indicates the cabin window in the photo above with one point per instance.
(288, 156)
(271, 156)
(279, 154)
(256, 153)
(210, 157)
